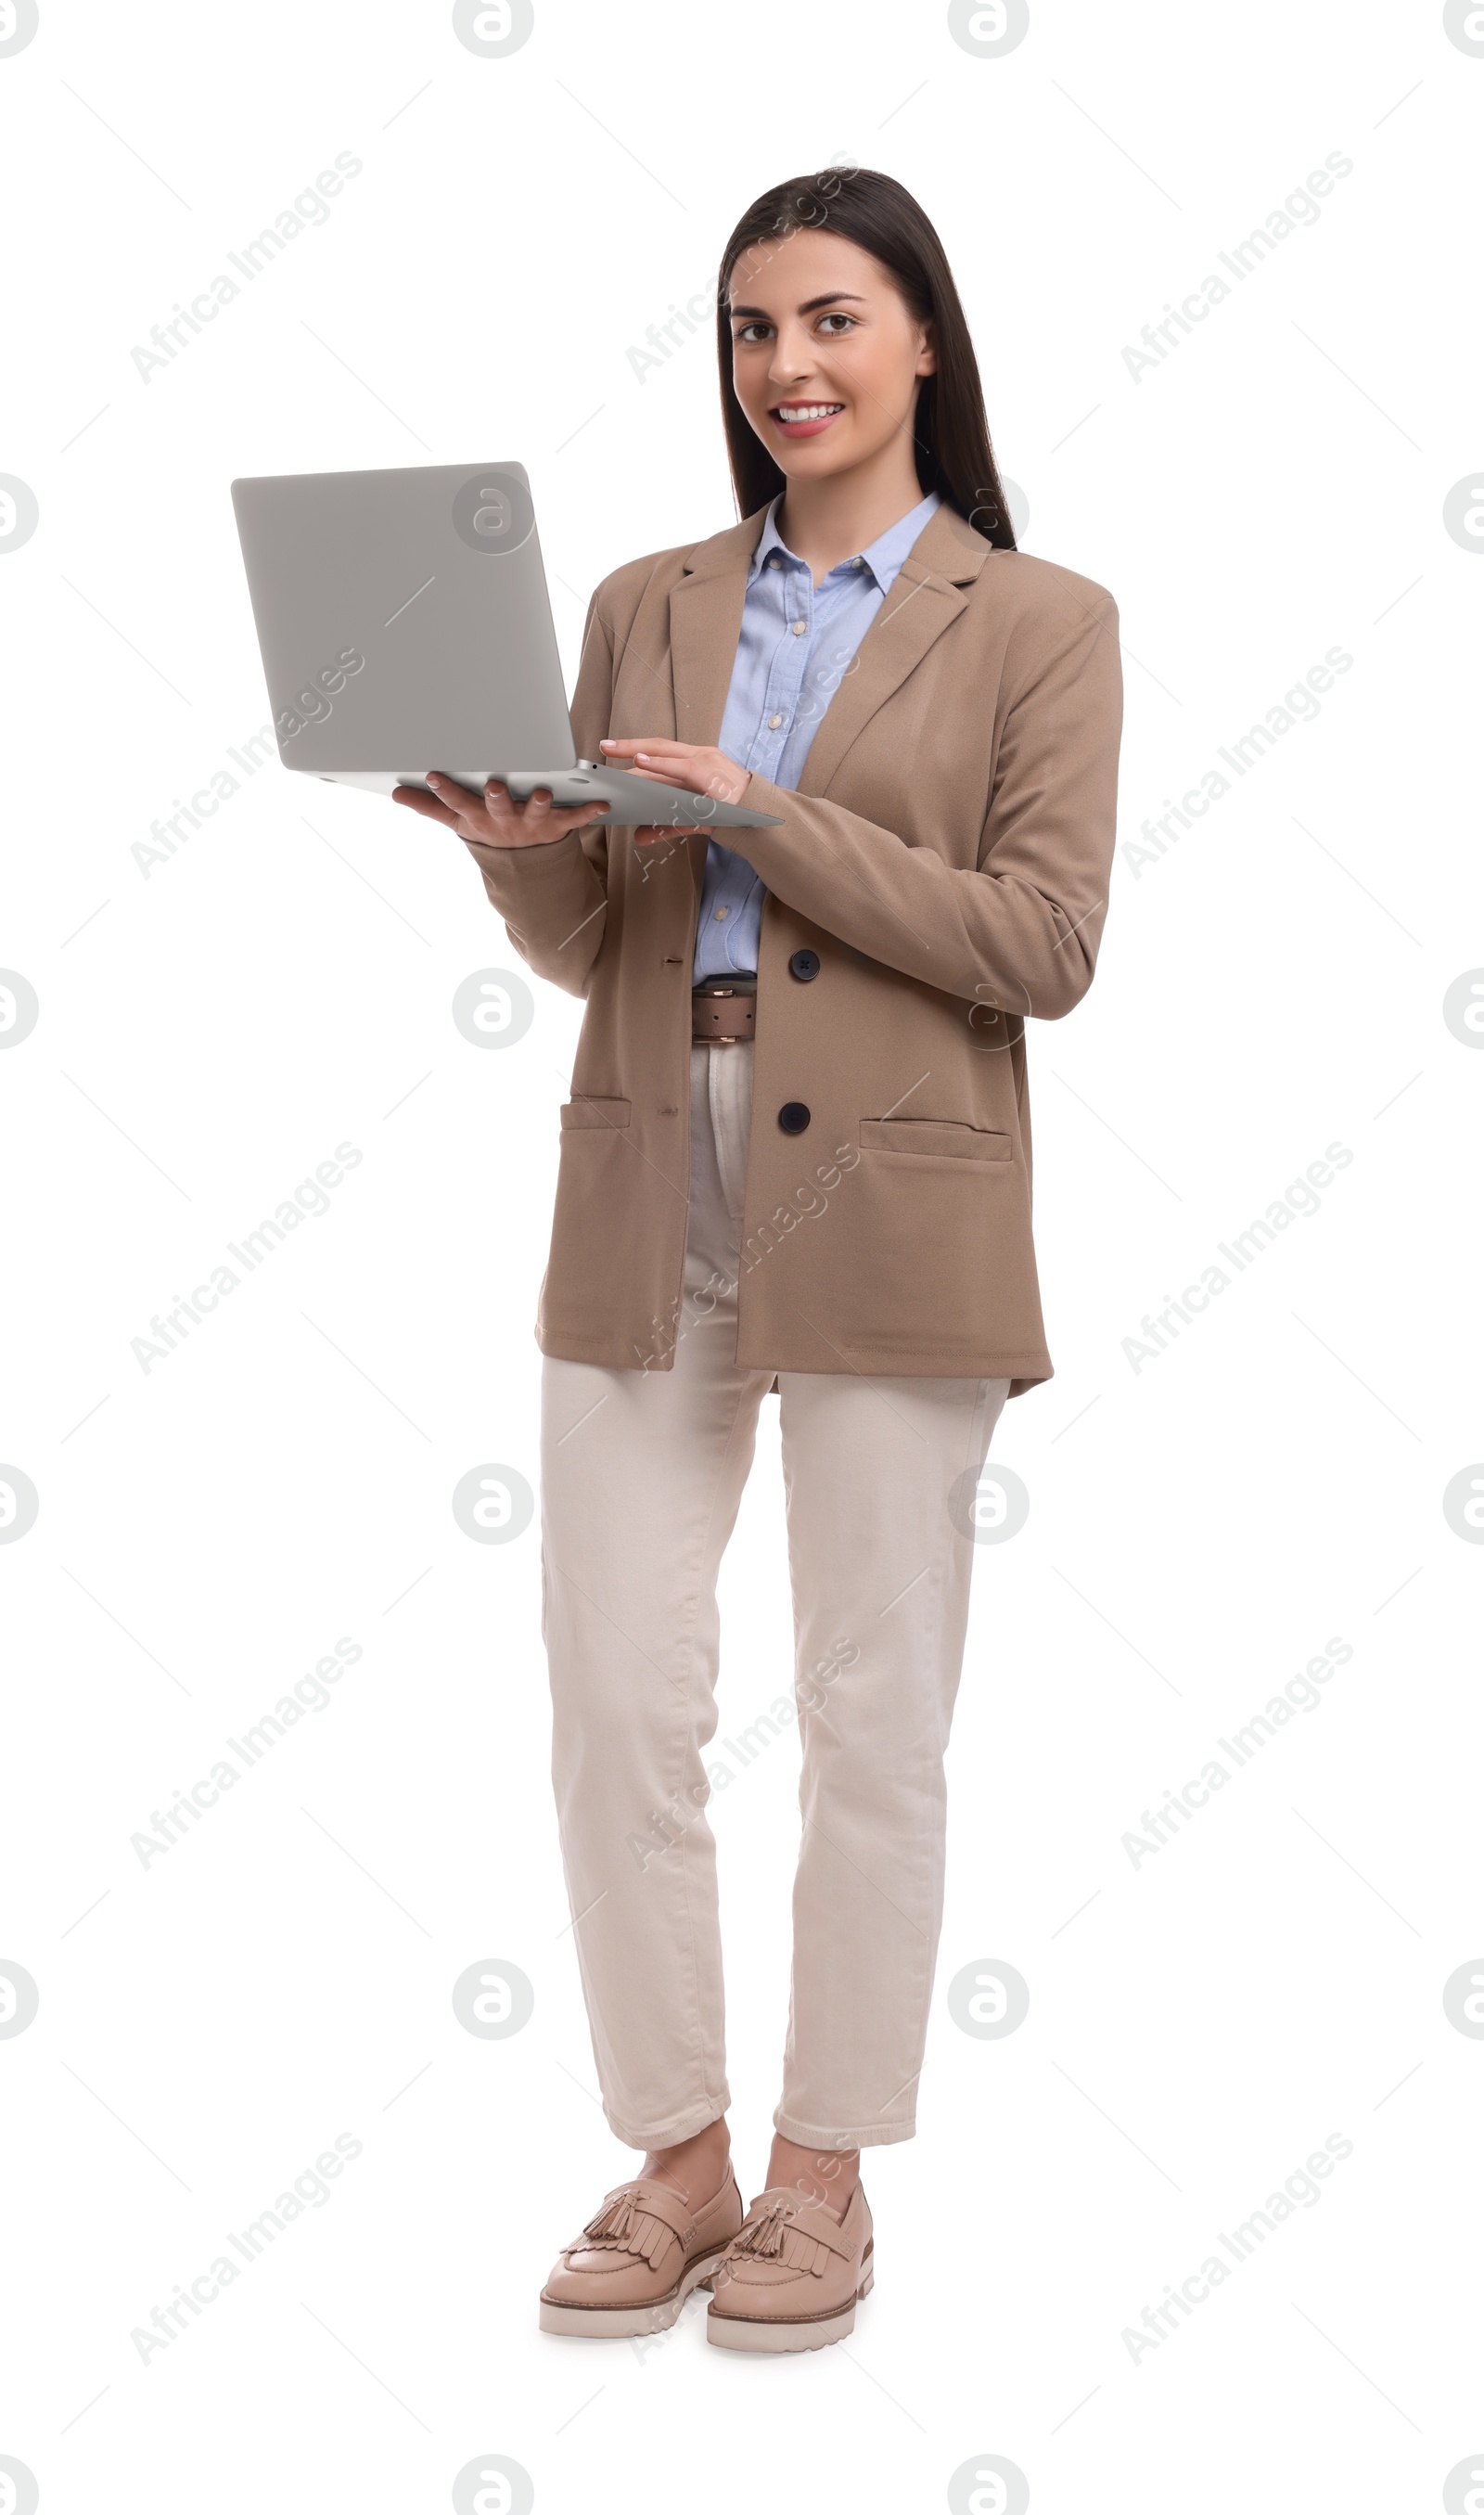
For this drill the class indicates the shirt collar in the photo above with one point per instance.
(883, 559)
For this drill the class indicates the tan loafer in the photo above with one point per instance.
(635, 2262)
(792, 2278)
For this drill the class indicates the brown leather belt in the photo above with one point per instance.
(725, 1008)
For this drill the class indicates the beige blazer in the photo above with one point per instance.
(946, 860)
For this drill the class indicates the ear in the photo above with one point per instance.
(927, 354)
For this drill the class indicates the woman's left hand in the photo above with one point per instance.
(695, 767)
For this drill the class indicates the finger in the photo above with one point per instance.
(499, 803)
(452, 790)
(462, 812)
(472, 808)
(528, 823)
(428, 806)
(548, 814)
(456, 799)
(648, 742)
(679, 756)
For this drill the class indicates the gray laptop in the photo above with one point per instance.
(405, 625)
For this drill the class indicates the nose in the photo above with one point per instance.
(790, 361)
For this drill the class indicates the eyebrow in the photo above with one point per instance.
(812, 306)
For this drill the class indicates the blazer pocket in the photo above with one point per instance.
(937, 1136)
(592, 1110)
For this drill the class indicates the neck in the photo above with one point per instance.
(829, 520)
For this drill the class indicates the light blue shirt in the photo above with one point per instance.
(797, 644)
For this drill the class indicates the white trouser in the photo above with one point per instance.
(642, 1474)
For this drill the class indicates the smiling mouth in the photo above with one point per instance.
(805, 417)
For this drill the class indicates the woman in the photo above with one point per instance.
(797, 1157)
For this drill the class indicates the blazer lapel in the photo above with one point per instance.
(923, 601)
(705, 622)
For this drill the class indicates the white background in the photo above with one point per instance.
(1200, 1527)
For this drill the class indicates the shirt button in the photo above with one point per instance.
(793, 1117)
(798, 628)
(721, 912)
(773, 724)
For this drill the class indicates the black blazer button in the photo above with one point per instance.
(793, 1117)
(805, 965)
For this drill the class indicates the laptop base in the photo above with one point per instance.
(633, 800)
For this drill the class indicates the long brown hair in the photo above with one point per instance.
(950, 431)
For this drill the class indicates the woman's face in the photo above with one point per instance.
(827, 359)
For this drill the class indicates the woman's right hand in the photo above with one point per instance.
(494, 818)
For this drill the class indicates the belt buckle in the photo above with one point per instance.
(722, 1029)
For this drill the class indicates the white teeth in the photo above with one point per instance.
(794, 411)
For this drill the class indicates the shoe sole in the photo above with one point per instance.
(752, 2331)
(628, 2322)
